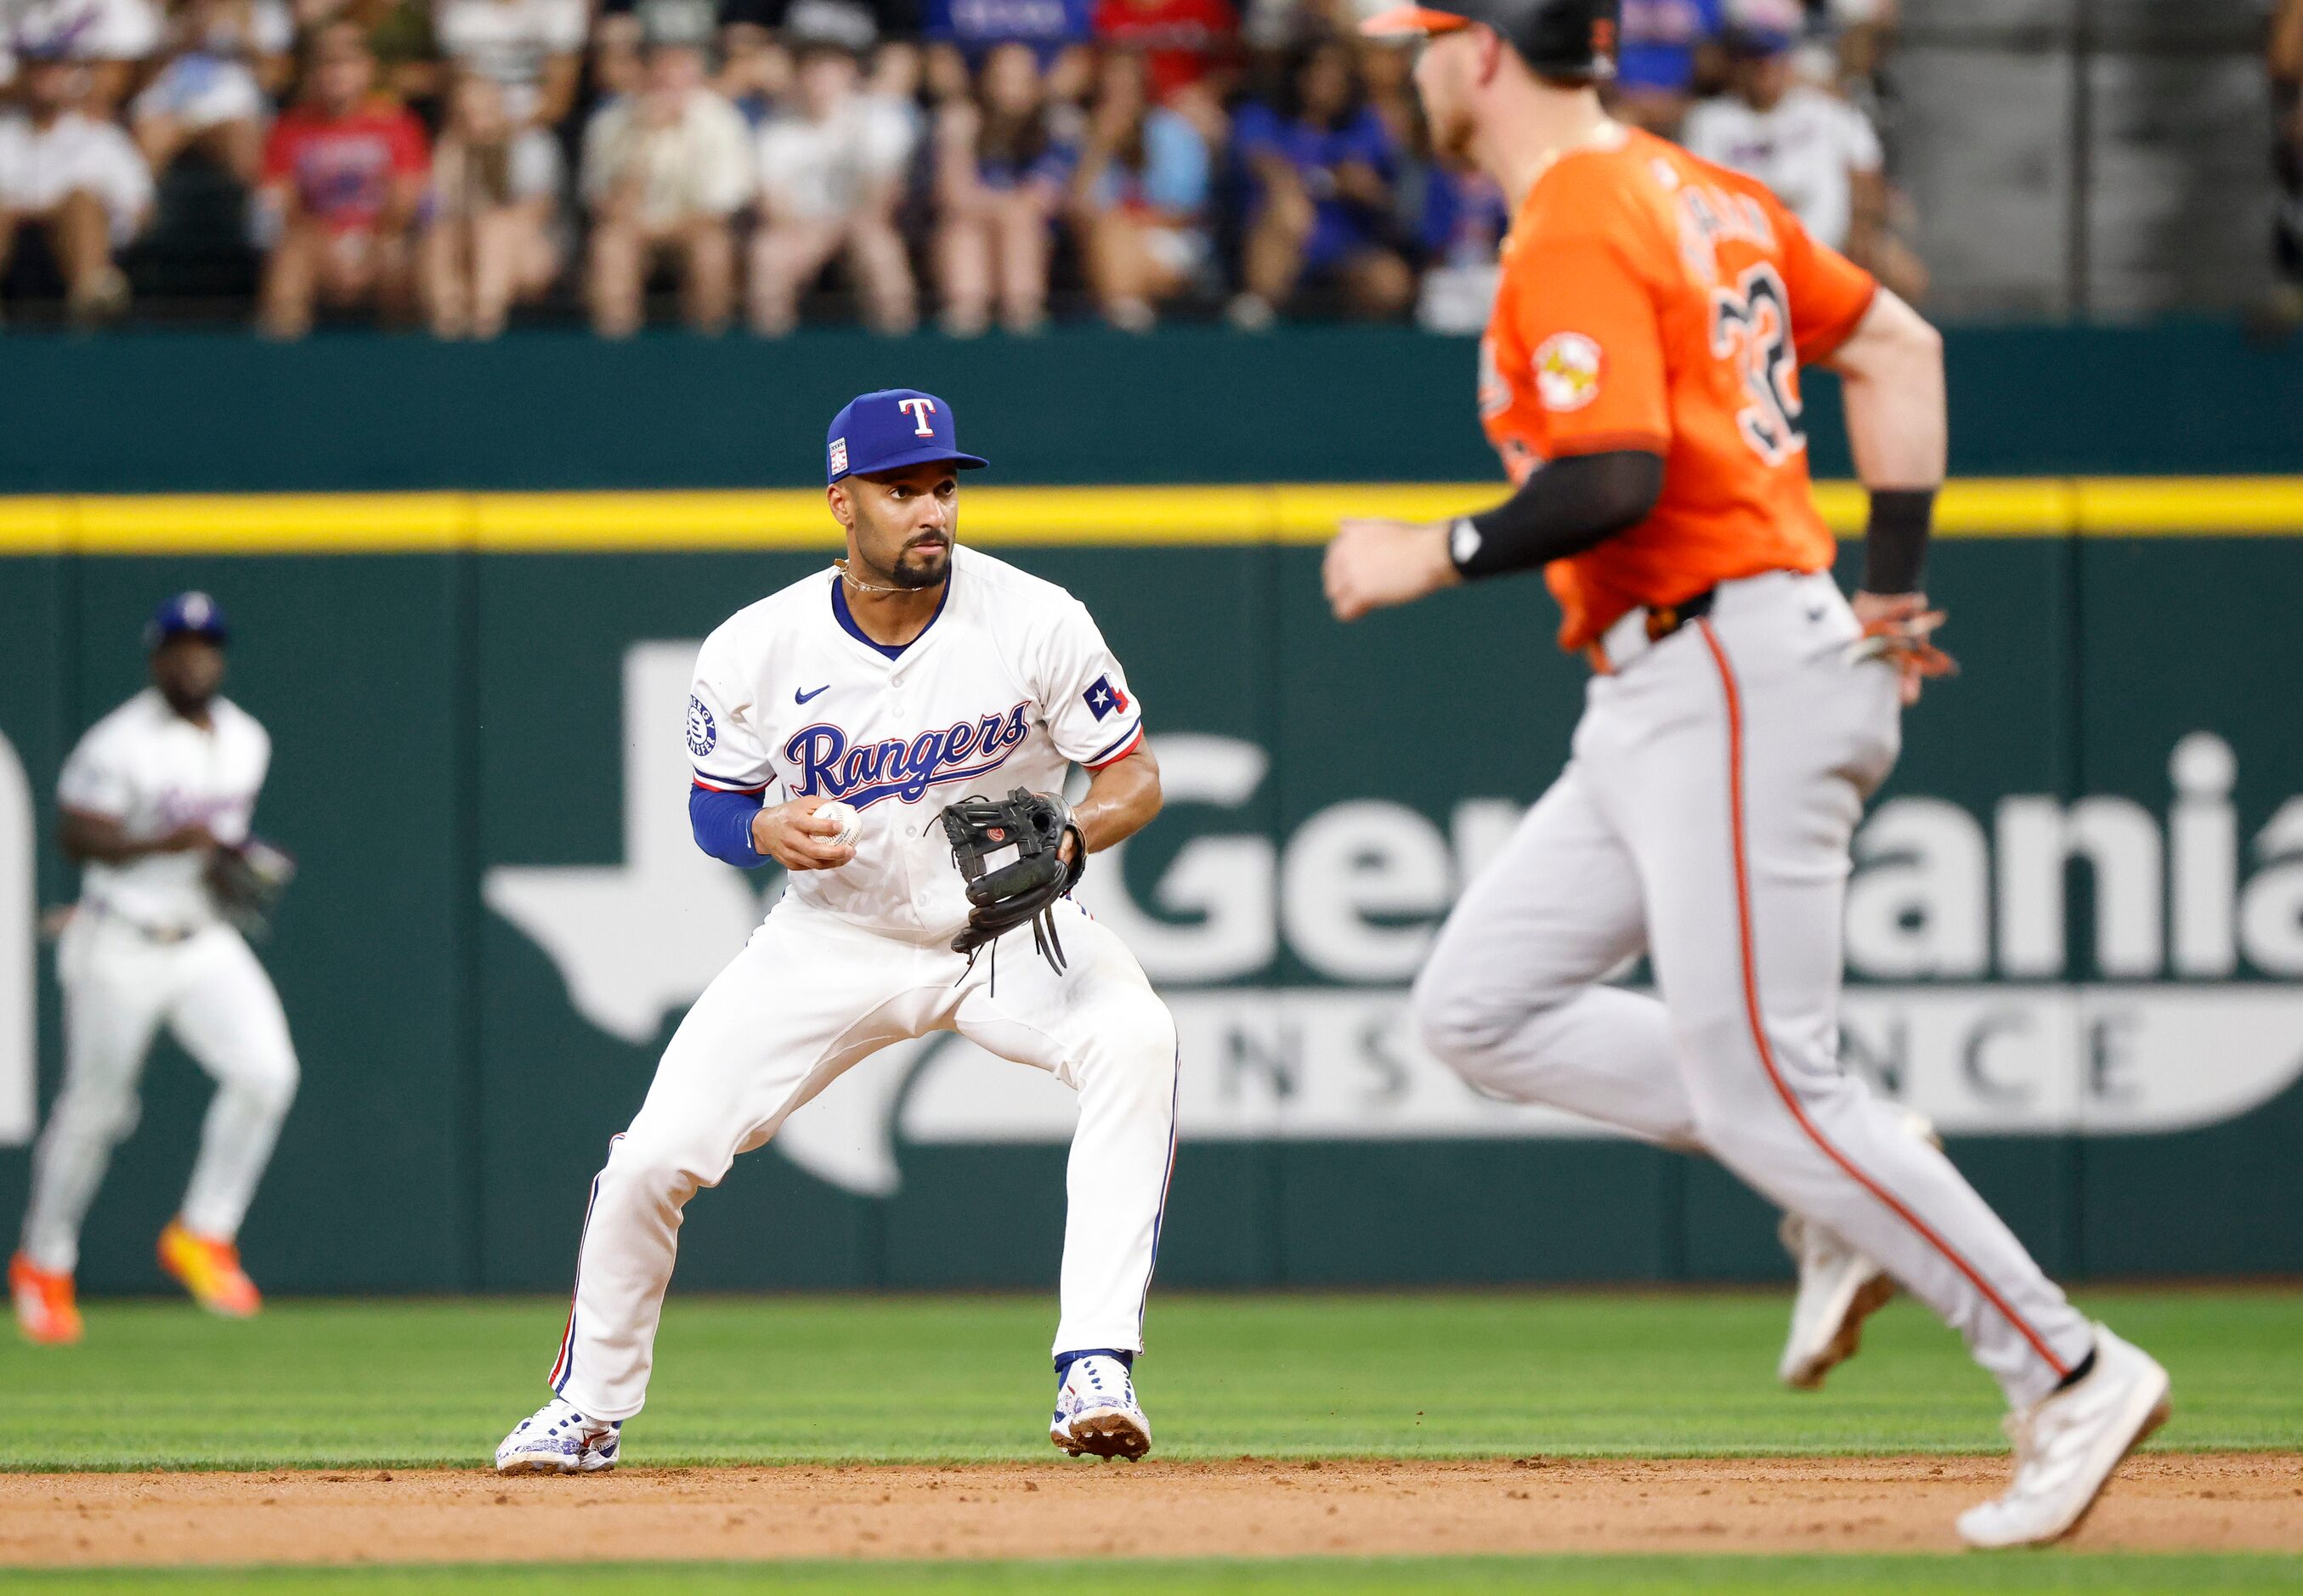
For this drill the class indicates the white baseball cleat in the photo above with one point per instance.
(1096, 1410)
(2067, 1444)
(559, 1440)
(1839, 1287)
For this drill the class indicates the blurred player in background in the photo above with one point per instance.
(1640, 379)
(1820, 153)
(156, 793)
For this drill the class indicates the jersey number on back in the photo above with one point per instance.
(1751, 327)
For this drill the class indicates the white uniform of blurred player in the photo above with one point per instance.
(910, 675)
(146, 798)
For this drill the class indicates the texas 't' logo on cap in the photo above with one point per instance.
(889, 430)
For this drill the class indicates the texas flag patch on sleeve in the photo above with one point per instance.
(1103, 698)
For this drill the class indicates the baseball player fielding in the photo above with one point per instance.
(154, 797)
(1640, 379)
(834, 727)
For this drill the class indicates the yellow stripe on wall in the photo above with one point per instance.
(2177, 506)
(35, 525)
(1297, 514)
(269, 523)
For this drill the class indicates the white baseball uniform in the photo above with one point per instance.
(1808, 147)
(146, 948)
(1009, 685)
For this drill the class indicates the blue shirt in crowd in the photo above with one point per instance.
(1658, 40)
(1342, 228)
(1464, 217)
(1048, 26)
(1174, 178)
(1052, 165)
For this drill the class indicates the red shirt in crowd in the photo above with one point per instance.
(342, 168)
(1182, 40)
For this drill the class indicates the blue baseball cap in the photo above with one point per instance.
(187, 615)
(889, 430)
(1754, 42)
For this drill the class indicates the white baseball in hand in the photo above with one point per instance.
(844, 816)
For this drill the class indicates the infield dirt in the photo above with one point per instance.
(2159, 1502)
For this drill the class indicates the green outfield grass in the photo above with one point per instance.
(819, 1378)
(1379, 1576)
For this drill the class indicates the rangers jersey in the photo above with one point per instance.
(1009, 685)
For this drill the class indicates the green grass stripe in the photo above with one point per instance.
(1567, 1576)
(404, 1383)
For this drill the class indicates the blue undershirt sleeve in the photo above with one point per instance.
(722, 825)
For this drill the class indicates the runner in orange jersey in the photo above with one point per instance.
(1640, 379)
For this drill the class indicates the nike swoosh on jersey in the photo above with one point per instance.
(800, 697)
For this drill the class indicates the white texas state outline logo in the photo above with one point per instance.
(1943, 909)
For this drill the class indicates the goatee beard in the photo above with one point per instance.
(915, 576)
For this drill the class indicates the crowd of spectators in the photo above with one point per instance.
(447, 162)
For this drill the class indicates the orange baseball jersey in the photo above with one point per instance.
(1653, 300)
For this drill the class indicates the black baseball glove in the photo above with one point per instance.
(1031, 825)
(246, 881)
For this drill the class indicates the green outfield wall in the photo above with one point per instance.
(469, 579)
(162, 412)
(2075, 931)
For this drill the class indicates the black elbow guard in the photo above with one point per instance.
(1568, 506)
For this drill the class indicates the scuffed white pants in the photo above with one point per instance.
(1705, 819)
(119, 988)
(810, 995)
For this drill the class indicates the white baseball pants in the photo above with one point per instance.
(812, 994)
(1705, 818)
(119, 986)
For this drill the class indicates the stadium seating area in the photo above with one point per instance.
(462, 164)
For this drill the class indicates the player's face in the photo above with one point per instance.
(343, 72)
(1447, 75)
(188, 670)
(903, 522)
(52, 85)
(1764, 80)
